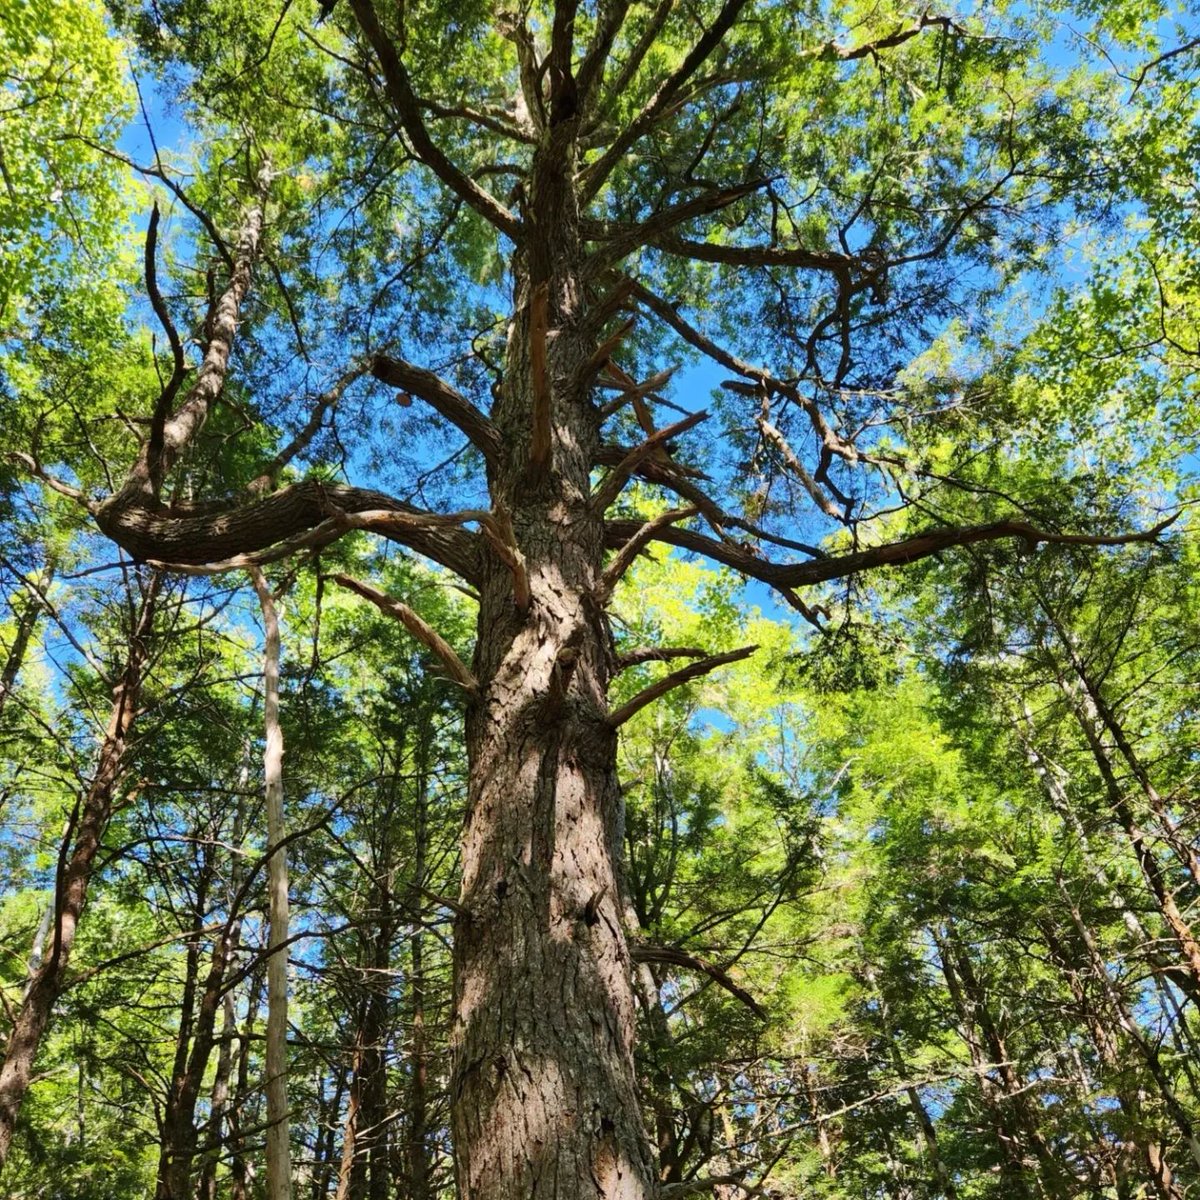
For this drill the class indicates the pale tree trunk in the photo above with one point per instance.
(279, 1165)
(219, 1107)
(177, 1132)
(207, 1187)
(1139, 841)
(75, 871)
(1051, 779)
(1087, 697)
(925, 1126)
(241, 1168)
(1006, 1121)
(419, 1166)
(327, 1138)
(1145, 1143)
(349, 1167)
(825, 1146)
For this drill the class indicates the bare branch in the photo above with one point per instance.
(900, 35)
(52, 482)
(174, 434)
(797, 468)
(593, 177)
(417, 626)
(166, 397)
(600, 356)
(673, 680)
(632, 548)
(618, 240)
(326, 401)
(591, 70)
(497, 527)
(616, 479)
(446, 401)
(709, 1183)
(638, 391)
(755, 256)
(645, 654)
(641, 952)
(497, 122)
(787, 576)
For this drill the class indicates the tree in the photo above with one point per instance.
(548, 200)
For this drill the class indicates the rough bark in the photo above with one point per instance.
(95, 809)
(543, 1091)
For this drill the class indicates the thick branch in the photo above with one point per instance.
(166, 397)
(673, 680)
(417, 626)
(755, 256)
(797, 468)
(632, 548)
(645, 654)
(408, 109)
(446, 401)
(641, 952)
(206, 534)
(897, 37)
(170, 436)
(786, 576)
(591, 71)
(629, 68)
(618, 240)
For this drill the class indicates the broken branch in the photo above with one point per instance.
(642, 952)
(673, 680)
(416, 625)
(616, 479)
(628, 552)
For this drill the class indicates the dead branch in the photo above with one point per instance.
(628, 552)
(642, 952)
(616, 479)
(673, 680)
(446, 401)
(417, 626)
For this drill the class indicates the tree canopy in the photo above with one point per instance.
(598, 599)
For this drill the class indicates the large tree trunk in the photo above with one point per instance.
(75, 872)
(544, 1102)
